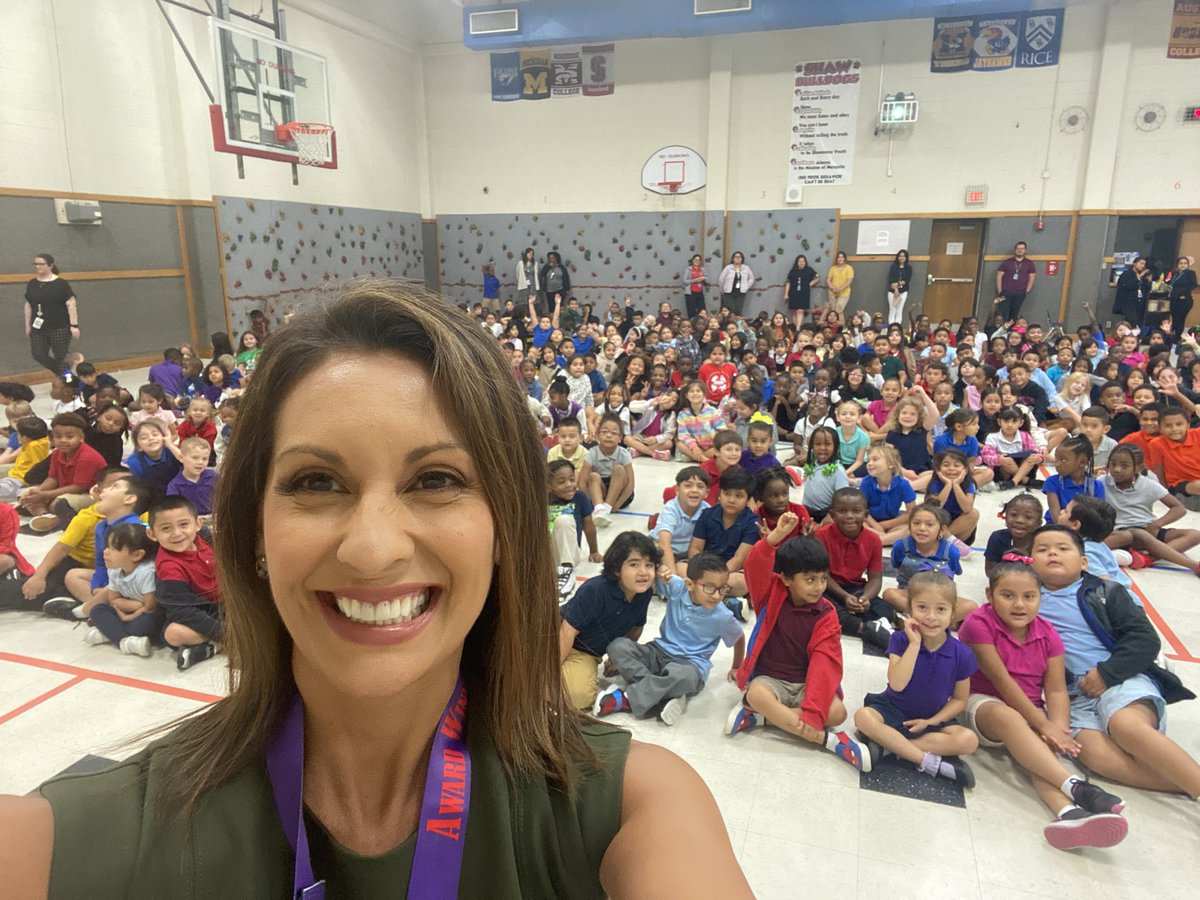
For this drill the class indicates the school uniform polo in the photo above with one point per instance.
(968, 448)
(785, 655)
(1135, 504)
(908, 560)
(851, 561)
(913, 449)
(951, 505)
(1025, 661)
(693, 632)
(1180, 459)
(678, 524)
(601, 614)
(710, 528)
(196, 568)
(79, 470)
(934, 676)
(848, 447)
(1067, 489)
(886, 503)
(199, 492)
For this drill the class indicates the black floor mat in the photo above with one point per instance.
(894, 776)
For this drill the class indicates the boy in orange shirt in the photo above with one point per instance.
(1175, 456)
(1148, 416)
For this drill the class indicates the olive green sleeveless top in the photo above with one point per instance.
(524, 839)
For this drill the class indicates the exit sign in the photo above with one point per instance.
(976, 195)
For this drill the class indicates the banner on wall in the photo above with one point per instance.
(506, 76)
(535, 75)
(824, 121)
(1184, 42)
(566, 73)
(598, 70)
(995, 42)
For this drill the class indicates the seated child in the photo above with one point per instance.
(570, 521)
(73, 469)
(855, 568)
(1148, 421)
(1022, 514)
(676, 522)
(152, 402)
(10, 557)
(560, 407)
(662, 675)
(13, 413)
(823, 474)
(814, 415)
(126, 612)
(928, 683)
(760, 454)
(907, 429)
(1093, 519)
(792, 672)
(607, 471)
(773, 494)
(1011, 451)
(1175, 456)
(1093, 425)
(227, 413)
(747, 408)
(1118, 692)
(962, 426)
(653, 432)
(570, 444)
(1020, 658)
(195, 481)
(928, 548)
(155, 458)
(1073, 475)
(604, 608)
(34, 442)
(852, 440)
(186, 582)
(1133, 494)
(953, 489)
(889, 495)
(198, 422)
(106, 433)
(729, 529)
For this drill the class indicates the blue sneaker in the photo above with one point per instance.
(611, 701)
(850, 750)
(741, 719)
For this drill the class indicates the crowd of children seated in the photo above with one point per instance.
(126, 477)
(890, 434)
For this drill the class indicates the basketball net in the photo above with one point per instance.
(312, 142)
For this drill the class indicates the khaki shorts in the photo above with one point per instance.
(789, 693)
(580, 677)
(968, 717)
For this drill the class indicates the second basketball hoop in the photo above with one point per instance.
(674, 170)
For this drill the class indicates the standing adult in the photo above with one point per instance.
(556, 283)
(1182, 285)
(736, 281)
(1132, 291)
(528, 284)
(797, 290)
(1014, 281)
(899, 278)
(51, 314)
(695, 280)
(839, 281)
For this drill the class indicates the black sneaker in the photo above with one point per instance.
(878, 633)
(736, 607)
(61, 608)
(964, 776)
(1095, 799)
(189, 656)
(1078, 828)
(1005, 485)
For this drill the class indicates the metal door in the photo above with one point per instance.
(955, 256)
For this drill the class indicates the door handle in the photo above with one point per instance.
(934, 279)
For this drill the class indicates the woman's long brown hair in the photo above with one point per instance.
(510, 659)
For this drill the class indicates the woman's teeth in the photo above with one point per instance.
(389, 612)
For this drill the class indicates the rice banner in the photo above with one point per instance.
(585, 71)
(824, 121)
(999, 41)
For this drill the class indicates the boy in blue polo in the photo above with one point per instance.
(729, 529)
(604, 608)
(661, 675)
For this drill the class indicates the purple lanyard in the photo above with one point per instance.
(437, 862)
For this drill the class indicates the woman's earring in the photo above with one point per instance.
(260, 567)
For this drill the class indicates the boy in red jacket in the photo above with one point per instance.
(794, 663)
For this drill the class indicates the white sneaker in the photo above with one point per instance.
(673, 710)
(988, 488)
(136, 646)
(602, 515)
(94, 637)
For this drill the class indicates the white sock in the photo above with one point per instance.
(1122, 557)
(1065, 787)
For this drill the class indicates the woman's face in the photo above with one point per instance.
(902, 258)
(737, 259)
(840, 259)
(396, 529)
(696, 260)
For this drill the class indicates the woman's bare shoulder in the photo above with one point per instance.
(26, 845)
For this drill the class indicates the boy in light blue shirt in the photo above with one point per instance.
(1095, 519)
(662, 675)
(675, 523)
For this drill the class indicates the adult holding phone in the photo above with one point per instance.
(736, 281)
(797, 289)
(1014, 282)
(1132, 292)
(51, 314)
(899, 278)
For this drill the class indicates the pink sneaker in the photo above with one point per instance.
(664, 455)
(635, 454)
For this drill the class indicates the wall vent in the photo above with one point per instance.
(713, 7)
(495, 21)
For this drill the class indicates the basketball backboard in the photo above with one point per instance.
(262, 84)
(674, 170)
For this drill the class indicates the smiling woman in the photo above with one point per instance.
(396, 712)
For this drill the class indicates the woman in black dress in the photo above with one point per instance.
(797, 290)
(51, 315)
(1183, 282)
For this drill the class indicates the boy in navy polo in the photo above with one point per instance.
(929, 681)
(604, 608)
(186, 581)
(729, 529)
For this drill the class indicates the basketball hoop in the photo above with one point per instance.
(312, 141)
(670, 186)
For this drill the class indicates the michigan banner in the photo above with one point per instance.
(585, 71)
(998, 41)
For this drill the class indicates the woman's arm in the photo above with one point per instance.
(73, 311)
(672, 841)
(27, 843)
(28, 319)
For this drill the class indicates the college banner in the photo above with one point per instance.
(506, 76)
(598, 70)
(824, 121)
(1184, 42)
(535, 75)
(995, 42)
(566, 73)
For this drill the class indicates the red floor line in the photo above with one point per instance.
(110, 678)
(41, 698)
(1181, 652)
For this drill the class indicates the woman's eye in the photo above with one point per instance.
(314, 483)
(439, 481)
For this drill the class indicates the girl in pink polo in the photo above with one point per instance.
(1020, 658)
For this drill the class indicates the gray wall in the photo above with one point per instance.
(1000, 236)
(119, 317)
(870, 275)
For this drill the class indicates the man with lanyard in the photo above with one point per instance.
(1014, 281)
